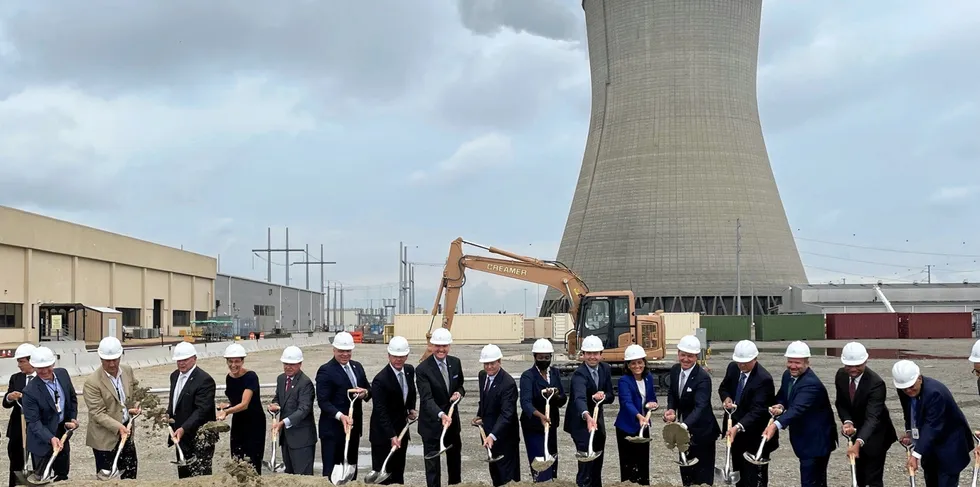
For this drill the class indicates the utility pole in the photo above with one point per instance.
(929, 273)
(321, 263)
(738, 269)
(269, 250)
(401, 277)
(411, 288)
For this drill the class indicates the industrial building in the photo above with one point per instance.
(261, 306)
(60, 280)
(862, 298)
(676, 198)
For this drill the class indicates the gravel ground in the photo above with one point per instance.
(154, 456)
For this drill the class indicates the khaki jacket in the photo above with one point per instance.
(104, 411)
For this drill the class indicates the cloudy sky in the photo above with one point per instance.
(362, 124)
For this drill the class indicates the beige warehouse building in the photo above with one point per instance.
(59, 279)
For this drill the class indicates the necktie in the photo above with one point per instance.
(445, 373)
(851, 388)
(401, 382)
(350, 375)
(789, 390)
(682, 383)
(289, 383)
(486, 387)
(179, 388)
(595, 377)
(913, 403)
(741, 385)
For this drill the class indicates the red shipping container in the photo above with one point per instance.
(936, 325)
(846, 326)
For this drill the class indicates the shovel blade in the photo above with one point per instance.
(376, 477)
(106, 474)
(33, 480)
(341, 474)
(436, 454)
(583, 456)
(638, 439)
(753, 460)
(540, 464)
(493, 459)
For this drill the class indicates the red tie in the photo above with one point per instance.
(289, 382)
(851, 388)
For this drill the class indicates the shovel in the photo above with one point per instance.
(727, 476)
(854, 478)
(181, 461)
(442, 439)
(271, 464)
(757, 458)
(639, 438)
(539, 464)
(375, 477)
(344, 472)
(483, 435)
(111, 474)
(28, 469)
(908, 454)
(588, 456)
(48, 475)
(976, 461)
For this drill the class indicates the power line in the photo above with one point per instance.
(855, 275)
(882, 249)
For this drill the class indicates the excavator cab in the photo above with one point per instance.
(612, 317)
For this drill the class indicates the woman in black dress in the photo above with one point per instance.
(248, 423)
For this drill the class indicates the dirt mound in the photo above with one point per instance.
(284, 480)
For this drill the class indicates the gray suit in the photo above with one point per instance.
(298, 440)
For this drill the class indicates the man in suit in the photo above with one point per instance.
(935, 426)
(191, 405)
(105, 394)
(50, 409)
(439, 379)
(864, 417)
(591, 383)
(394, 394)
(497, 414)
(803, 406)
(294, 402)
(749, 387)
(333, 380)
(689, 402)
(16, 427)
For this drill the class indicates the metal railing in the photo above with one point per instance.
(166, 390)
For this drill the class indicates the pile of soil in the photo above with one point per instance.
(284, 480)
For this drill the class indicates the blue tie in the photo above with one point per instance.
(741, 385)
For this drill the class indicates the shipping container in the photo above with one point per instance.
(774, 328)
(852, 326)
(537, 327)
(935, 325)
(561, 324)
(468, 329)
(726, 328)
(677, 325)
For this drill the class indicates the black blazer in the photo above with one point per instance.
(693, 406)
(434, 397)
(531, 399)
(195, 407)
(498, 407)
(581, 390)
(752, 410)
(332, 384)
(868, 411)
(390, 413)
(16, 384)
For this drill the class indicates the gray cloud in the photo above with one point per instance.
(554, 19)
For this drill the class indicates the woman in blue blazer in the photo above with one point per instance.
(637, 394)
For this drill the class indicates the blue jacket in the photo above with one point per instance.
(582, 389)
(631, 403)
(332, 384)
(41, 415)
(532, 400)
(807, 414)
(945, 437)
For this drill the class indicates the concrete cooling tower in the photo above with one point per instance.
(675, 166)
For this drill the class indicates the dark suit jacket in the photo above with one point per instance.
(632, 403)
(16, 384)
(390, 413)
(195, 406)
(807, 413)
(498, 408)
(945, 437)
(332, 384)
(296, 404)
(582, 389)
(868, 411)
(693, 406)
(752, 410)
(434, 396)
(41, 414)
(531, 399)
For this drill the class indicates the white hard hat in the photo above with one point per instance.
(235, 351)
(853, 354)
(24, 350)
(398, 346)
(634, 352)
(745, 351)
(974, 355)
(797, 349)
(441, 336)
(490, 353)
(343, 341)
(904, 374)
(184, 351)
(291, 355)
(689, 344)
(42, 357)
(110, 348)
(592, 343)
(542, 345)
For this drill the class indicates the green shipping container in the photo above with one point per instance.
(773, 328)
(726, 328)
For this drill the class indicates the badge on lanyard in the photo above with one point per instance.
(915, 433)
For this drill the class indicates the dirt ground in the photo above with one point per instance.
(946, 361)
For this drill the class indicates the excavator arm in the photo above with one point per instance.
(529, 269)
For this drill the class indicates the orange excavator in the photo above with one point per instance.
(610, 315)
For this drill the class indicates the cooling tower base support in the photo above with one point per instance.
(708, 305)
